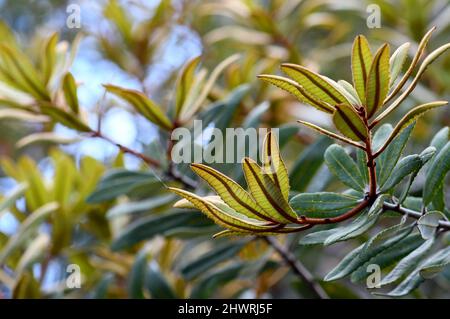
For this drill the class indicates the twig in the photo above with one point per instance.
(411, 213)
(298, 268)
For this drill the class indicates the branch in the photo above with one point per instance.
(297, 267)
(412, 213)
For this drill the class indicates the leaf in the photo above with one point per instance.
(157, 284)
(142, 105)
(266, 193)
(429, 223)
(347, 87)
(436, 174)
(27, 229)
(362, 254)
(67, 119)
(412, 116)
(377, 85)
(407, 165)
(273, 164)
(148, 227)
(361, 62)
(397, 60)
(49, 57)
(322, 204)
(437, 263)
(314, 84)
(414, 279)
(46, 137)
(361, 162)
(408, 263)
(26, 287)
(343, 167)
(17, 70)
(147, 205)
(330, 134)
(349, 123)
(317, 237)
(386, 162)
(231, 192)
(223, 215)
(184, 84)
(6, 114)
(298, 91)
(34, 252)
(357, 227)
(11, 198)
(118, 182)
(70, 92)
(136, 277)
(212, 258)
(426, 62)
(307, 164)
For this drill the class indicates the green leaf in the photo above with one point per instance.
(314, 84)
(142, 105)
(231, 192)
(316, 238)
(26, 287)
(346, 265)
(349, 123)
(406, 166)
(22, 115)
(146, 205)
(11, 198)
(148, 227)
(408, 263)
(414, 279)
(436, 174)
(119, 182)
(386, 162)
(412, 116)
(49, 57)
(343, 167)
(361, 62)
(357, 227)
(70, 92)
(266, 193)
(157, 284)
(438, 262)
(429, 223)
(361, 162)
(45, 137)
(67, 119)
(184, 84)
(136, 277)
(377, 85)
(34, 252)
(298, 91)
(352, 94)
(307, 164)
(397, 60)
(322, 204)
(27, 229)
(207, 261)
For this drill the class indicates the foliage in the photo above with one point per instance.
(125, 226)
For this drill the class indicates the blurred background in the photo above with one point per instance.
(143, 45)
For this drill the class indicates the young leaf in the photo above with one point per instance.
(361, 62)
(397, 60)
(12, 197)
(322, 204)
(438, 169)
(184, 84)
(331, 134)
(49, 57)
(298, 91)
(407, 165)
(231, 192)
(143, 105)
(351, 91)
(22, 115)
(349, 123)
(273, 165)
(343, 166)
(266, 193)
(70, 92)
(316, 238)
(65, 118)
(377, 85)
(314, 84)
